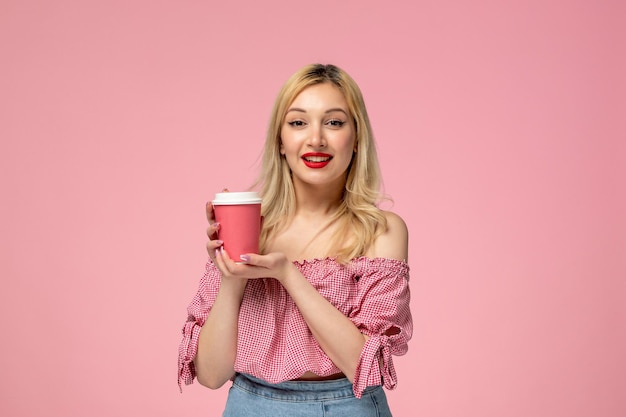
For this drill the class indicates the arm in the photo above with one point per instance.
(217, 343)
(338, 337)
(384, 311)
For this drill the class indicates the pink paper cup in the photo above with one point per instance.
(239, 216)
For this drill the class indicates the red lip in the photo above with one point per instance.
(316, 163)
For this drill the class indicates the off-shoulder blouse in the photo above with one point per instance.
(274, 342)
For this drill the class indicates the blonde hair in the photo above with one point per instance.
(360, 220)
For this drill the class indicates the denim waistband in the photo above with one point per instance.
(298, 390)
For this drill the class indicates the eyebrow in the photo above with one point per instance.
(334, 109)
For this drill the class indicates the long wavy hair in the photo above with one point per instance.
(358, 217)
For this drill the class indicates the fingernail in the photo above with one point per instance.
(244, 258)
(216, 224)
(217, 252)
(219, 242)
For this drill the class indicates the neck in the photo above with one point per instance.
(318, 199)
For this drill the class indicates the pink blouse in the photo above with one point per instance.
(274, 341)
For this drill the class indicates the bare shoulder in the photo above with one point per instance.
(394, 242)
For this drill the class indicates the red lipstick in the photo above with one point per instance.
(316, 159)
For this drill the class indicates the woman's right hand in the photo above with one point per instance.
(211, 231)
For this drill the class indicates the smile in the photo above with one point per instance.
(316, 160)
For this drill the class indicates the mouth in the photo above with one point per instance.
(316, 159)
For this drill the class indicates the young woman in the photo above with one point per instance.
(308, 326)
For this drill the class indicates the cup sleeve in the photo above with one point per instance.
(197, 313)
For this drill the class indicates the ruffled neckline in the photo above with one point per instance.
(356, 261)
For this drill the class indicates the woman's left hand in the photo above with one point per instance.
(273, 265)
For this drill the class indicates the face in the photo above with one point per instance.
(318, 136)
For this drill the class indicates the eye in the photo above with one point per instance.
(296, 123)
(335, 123)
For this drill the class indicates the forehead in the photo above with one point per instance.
(321, 96)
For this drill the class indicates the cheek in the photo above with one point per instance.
(350, 144)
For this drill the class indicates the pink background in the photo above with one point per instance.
(502, 140)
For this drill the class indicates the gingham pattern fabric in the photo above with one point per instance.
(274, 341)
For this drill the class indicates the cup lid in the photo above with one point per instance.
(237, 197)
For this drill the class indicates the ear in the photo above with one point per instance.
(282, 149)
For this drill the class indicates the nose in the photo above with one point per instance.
(316, 137)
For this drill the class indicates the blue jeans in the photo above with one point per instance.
(250, 396)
